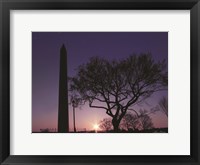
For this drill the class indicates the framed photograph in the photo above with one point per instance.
(99, 82)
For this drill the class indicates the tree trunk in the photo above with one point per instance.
(115, 125)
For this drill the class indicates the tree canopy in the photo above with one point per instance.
(117, 85)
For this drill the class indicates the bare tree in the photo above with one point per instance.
(114, 86)
(145, 120)
(138, 121)
(163, 103)
(106, 124)
(130, 121)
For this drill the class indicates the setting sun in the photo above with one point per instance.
(96, 127)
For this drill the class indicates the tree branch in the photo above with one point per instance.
(95, 106)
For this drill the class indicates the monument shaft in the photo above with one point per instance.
(63, 116)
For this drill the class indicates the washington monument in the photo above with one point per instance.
(63, 116)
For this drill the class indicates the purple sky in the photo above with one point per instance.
(80, 47)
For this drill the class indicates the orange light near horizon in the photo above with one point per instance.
(96, 127)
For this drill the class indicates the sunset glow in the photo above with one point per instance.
(105, 45)
(96, 127)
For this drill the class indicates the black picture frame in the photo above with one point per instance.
(7, 5)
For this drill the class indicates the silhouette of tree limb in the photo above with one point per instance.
(119, 84)
(163, 103)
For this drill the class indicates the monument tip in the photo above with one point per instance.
(63, 49)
